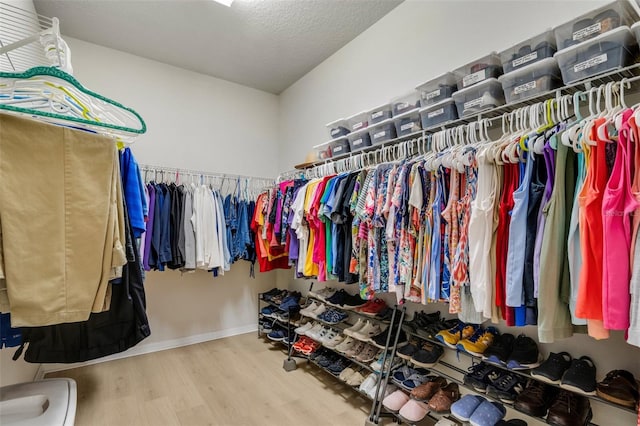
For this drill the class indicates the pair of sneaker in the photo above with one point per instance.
(306, 345)
(363, 330)
(313, 310)
(323, 294)
(479, 341)
(362, 352)
(332, 316)
(370, 384)
(389, 364)
(500, 384)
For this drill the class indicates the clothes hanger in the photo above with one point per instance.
(53, 96)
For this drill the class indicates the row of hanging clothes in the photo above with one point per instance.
(191, 224)
(536, 226)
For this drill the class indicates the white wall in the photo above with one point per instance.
(195, 122)
(415, 42)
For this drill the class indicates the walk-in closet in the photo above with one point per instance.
(320, 212)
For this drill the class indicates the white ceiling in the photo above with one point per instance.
(265, 44)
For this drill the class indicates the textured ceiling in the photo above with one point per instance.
(265, 44)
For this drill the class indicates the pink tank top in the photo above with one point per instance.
(618, 203)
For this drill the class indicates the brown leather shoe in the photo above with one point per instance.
(426, 390)
(535, 399)
(570, 409)
(620, 387)
(442, 400)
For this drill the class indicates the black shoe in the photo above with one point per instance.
(500, 349)
(480, 376)
(407, 351)
(431, 330)
(384, 314)
(428, 356)
(421, 320)
(580, 377)
(525, 354)
(352, 301)
(380, 340)
(553, 368)
(536, 399)
(338, 298)
(507, 387)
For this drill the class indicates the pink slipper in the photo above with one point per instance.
(414, 411)
(395, 401)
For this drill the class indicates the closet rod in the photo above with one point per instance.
(194, 173)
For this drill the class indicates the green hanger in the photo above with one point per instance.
(68, 95)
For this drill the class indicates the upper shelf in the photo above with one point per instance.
(582, 85)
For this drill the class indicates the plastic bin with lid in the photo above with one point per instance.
(478, 71)
(405, 103)
(595, 23)
(322, 151)
(530, 81)
(439, 113)
(481, 97)
(339, 147)
(359, 139)
(635, 29)
(338, 128)
(437, 90)
(378, 114)
(610, 51)
(358, 121)
(529, 51)
(407, 123)
(382, 132)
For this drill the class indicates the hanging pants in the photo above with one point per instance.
(62, 220)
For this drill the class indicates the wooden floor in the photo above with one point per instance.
(233, 381)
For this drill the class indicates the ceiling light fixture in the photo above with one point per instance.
(224, 2)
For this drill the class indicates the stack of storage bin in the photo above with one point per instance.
(406, 113)
(597, 42)
(478, 86)
(381, 127)
(437, 105)
(530, 68)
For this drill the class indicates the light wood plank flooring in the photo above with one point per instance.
(233, 381)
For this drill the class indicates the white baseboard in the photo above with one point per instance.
(142, 348)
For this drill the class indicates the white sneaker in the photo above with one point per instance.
(347, 344)
(319, 335)
(335, 341)
(313, 306)
(304, 328)
(367, 332)
(320, 309)
(388, 391)
(368, 384)
(316, 328)
(355, 327)
(329, 335)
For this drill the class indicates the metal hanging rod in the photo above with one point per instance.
(197, 173)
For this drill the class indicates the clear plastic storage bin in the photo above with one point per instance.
(612, 50)
(439, 113)
(359, 140)
(405, 103)
(339, 147)
(479, 70)
(526, 53)
(358, 121)
(437, 90)
(338, 128)
(532, 80)
(407, 123)
(635, 29)
(323, 152)
(381, 113)
(382, 132)
(482, 96)
(595, 23)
